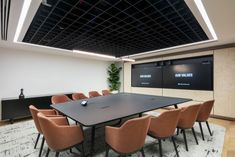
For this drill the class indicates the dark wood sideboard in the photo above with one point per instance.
(15, 108)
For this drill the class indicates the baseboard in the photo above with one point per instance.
(4, 122)
(222, 117)
(212, 116)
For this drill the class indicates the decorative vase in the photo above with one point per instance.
(21, 96)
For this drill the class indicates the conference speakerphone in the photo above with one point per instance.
(84, 103)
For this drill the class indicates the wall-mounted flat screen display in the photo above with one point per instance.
(189, 73)
(198, 76)
(146, 75)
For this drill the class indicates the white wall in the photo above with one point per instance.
(41, 74)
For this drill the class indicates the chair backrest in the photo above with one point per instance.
(105, 92)
(93, 94)
(58, 134)
(205, 110)
(59, 99)
(34, 111)
(78, 96)
(132, 134)
(188, 116)
(165, 124)
(50, 131)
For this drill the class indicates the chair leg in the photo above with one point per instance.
(173, 140)
(57, 154)
(200, 124)
(82, 151)
(142, 152)
(160, 147)
(185, 139)
(48, 151)
(42, 144)
(208, 126)
(194, 135)
(107, 151)
(37, 140)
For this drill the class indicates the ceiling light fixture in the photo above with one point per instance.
(23, 14)
(94, 54)
(205, 17)
(44, 2)
(172, 48)
(127, 59)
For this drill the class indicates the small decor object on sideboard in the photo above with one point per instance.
(21, 96)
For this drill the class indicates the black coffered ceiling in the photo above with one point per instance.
(114, 27)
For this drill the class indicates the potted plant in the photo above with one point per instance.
(114, 78)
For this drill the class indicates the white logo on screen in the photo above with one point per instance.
(184, 75)
(145, 76)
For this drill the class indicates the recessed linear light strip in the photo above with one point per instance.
(94, 54)
(127, 59)
(23, 14)
(205, 17)
(104, 56)
(172, 48)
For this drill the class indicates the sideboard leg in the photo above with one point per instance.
(11, 121)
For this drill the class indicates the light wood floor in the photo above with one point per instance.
(229, 141)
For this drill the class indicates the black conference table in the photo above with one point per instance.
(103, 109)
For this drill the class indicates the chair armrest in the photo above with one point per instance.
(54, 116)
(182, 108)
(154, 121)
(111, 135)
(59, 120)
(48, 112)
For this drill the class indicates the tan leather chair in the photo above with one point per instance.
(78, 96)
(187, 119)
(129, 138)
(94, 94)
(164, 126)
(34, 111)
(105, 92)
(59, 99)
(204, 114)
(59, 135)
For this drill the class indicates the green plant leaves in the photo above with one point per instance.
(114, 78)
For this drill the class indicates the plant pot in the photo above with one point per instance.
(114, 92)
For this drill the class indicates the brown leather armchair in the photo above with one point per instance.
(59, 99)
(59, 135)
(129, 138)
(94, 94)
(78, 96)
(34, 111)
(187, 119)
(105, 92)
(204, 114)
(164, 126)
